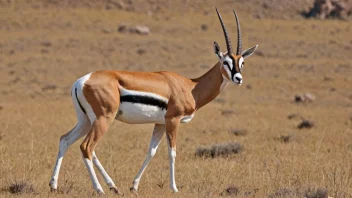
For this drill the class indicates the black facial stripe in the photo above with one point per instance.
(227, 64)
(233, 71)
(147, 100)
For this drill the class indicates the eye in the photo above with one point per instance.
(242, 65)
(226, 63)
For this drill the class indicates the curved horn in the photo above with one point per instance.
(239, 38)
(227, 39)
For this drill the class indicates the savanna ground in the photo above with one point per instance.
(46, 45)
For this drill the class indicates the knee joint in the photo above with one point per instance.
(63, 143)
(86, 151)
(172, 153)
(151, 152)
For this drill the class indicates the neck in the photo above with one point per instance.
(208, 86)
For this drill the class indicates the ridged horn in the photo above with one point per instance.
(227, 38)
(239, 38)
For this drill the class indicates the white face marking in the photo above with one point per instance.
(137, 113)
(236, 78)
(229, 60)
(230, 63)
(240, 62)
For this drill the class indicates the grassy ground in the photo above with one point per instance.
(44, 48)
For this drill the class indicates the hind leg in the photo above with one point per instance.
(102, 102)
(66, 140)
(98, 128)
(105, 175)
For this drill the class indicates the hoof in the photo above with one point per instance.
(116, 191)
(100, 192)
(174, 190)
(53, 190)
(53, 187)
(134, 191)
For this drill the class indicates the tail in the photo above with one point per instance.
(84, 111)
(75, 97)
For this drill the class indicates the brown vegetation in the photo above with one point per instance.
(219, 150)
(307, 193)
(306, 124)
(18, 187)
(46, 45)
(331, 8)
(287, 138)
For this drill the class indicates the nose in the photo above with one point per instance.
(239, 79)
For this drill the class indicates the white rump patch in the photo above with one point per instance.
(240, 63)
(79, 86)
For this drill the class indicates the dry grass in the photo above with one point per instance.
(285, 192)
(45, 48)
(231, 191)
(307, 193)
(17, 188)
(316, 193)
(306, 124)
(287, 138)
(239, 132)
(219, 150)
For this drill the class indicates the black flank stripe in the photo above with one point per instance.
(147, 100)
(84, 111)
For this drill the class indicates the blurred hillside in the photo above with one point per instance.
(279, 9)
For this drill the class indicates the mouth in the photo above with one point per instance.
(238, 83)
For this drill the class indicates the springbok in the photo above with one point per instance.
(163, 98)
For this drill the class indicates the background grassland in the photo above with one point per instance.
(46, 45)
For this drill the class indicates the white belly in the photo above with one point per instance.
(136, 113)
(139, 107)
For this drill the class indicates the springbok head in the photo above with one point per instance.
(232, 64)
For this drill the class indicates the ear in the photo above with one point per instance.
(217, 50)
(248, 52)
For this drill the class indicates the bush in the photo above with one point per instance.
(19, 188)
(316, 193)
(231, 190)
(217, 150)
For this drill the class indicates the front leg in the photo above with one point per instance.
(171, 132)
(158, 133)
